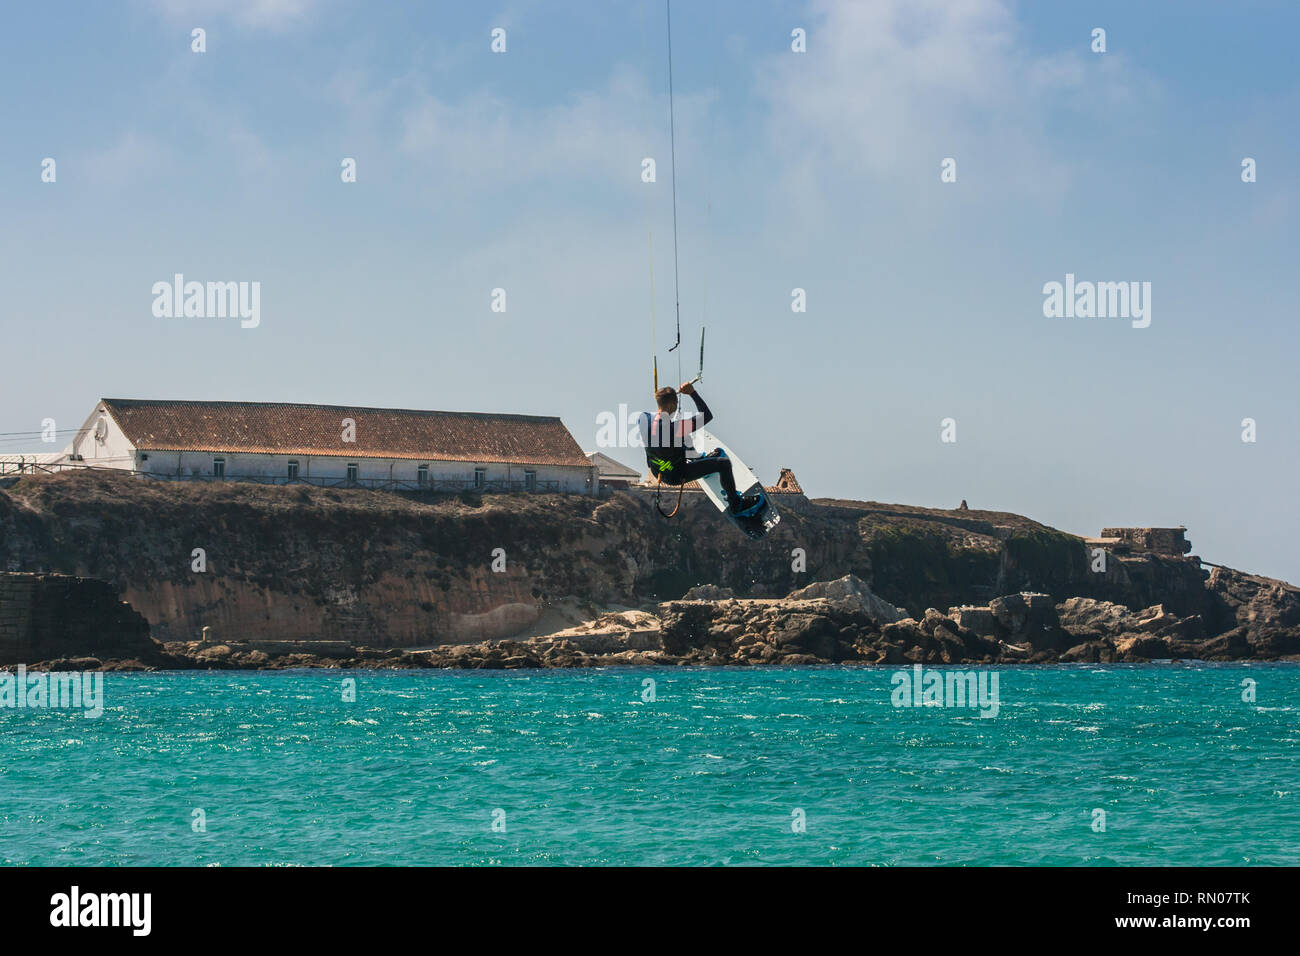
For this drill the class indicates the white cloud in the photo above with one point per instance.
(601, 135)
(134, 158)
(888, 89)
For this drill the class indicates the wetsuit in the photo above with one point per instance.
(666, 440)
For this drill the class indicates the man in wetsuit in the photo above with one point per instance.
(667, 436)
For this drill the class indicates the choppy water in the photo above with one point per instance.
(713, 770)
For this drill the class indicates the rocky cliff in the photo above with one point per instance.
(836, 622)
(382, 570)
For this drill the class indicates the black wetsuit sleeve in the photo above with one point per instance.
(704, 409)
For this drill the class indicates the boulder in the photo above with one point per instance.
(1030, 618)
(976, 619)
(708, 592)
(1090, 618)
(905, 633)
(685, 625)
(1255, 601)
(852, 592)
(1090, 652)
(1142, 647)
(951, 648)
(1273, 642)
(800, 660)
(803, 630)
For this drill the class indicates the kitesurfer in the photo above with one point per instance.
(667, 436)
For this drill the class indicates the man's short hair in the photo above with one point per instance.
(665, 396)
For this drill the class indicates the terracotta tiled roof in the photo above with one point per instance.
(290, 429)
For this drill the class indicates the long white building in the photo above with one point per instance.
(333, 444)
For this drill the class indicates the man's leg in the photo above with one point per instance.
(697, 468)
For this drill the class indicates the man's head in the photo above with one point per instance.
(666, 399)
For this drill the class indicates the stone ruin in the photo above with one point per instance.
(1152, 540)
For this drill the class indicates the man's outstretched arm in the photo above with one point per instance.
(705, 415)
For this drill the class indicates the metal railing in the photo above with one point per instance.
(33, 468)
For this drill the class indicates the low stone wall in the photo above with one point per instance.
(49, 616)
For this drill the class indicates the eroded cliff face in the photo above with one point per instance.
(385, 570)
(381, 569)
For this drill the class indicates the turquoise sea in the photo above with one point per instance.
(581, 768)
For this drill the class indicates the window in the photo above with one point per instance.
(530, 480)
(352, 473)
(293, 471)
(218, 468)
(480, 477)
(422, 476)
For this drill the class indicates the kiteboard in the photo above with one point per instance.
(755, 522)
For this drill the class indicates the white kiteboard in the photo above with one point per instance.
(764, 516)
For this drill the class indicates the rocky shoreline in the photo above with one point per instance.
(102, 568)
(838, 622)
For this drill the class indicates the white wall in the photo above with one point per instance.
(113, 451)
(573, 479)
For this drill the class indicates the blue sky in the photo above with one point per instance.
(817, 170)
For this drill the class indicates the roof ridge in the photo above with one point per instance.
(272, 428)
(513, 416)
